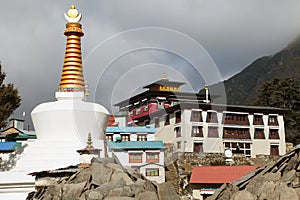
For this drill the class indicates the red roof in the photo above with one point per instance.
(219, 174)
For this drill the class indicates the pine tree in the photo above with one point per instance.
(283, 94)
(9, 99)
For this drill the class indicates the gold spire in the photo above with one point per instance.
(72, 75)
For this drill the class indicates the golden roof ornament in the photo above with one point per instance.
(73, 15)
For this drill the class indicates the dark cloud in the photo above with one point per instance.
(233, 32)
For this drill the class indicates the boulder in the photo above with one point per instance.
(288, 177)
(266, 189)
(166, 192)
(94, 195)
(105, 188)
(283, 192)
(100, 173)
(117, 175)
(122, 192)
(72, 191)
(147, 196)
(242, 195)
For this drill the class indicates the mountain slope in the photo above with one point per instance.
(242, 88)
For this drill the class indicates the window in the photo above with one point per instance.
(274, 134)
(178, 117)
(178, 131)
(259, 133)
(212, 117)
(152, 172)
(178, 145)
(156, 122)
(196, 116)
(239, 148)
(109, 137)
(236, 119)
(152, 157)
(142, 138)
(125, 137)
(213, 132)
(198, 147)
(167, 120)
(236, 133)
(197, 131)
(273, 121)
(258, 120)
(135, 157)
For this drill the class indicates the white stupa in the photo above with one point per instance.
(62, 126)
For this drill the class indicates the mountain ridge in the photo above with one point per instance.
(242, 88)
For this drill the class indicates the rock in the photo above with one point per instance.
(106, 187)
(272, 176)
(147, 196)
(242, 195)
(288, 177)
(297, 190)
(254, 184)
(137, 189)
(166, 192)
(149, 186)
(120, 198)
(283, 192)
(124, 191)
(265, 190)
(117, 175)
(100, 173)
(95, 195)
(54, 190)
(72, 191)
(80, 176)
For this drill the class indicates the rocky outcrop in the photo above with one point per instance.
(278, 179)
(105, 180)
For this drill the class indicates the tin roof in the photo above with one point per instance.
(133, 129)
(9, 146)
(219, 174)
(127, 145)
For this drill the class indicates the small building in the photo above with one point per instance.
(205, 180)
(16, 132)
(147, 157)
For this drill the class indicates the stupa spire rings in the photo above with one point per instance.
(73, 15)
(72, 75)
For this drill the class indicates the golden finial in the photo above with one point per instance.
(72, 12)
(164, 77)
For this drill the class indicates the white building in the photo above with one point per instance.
(212, 128)
(145, 156)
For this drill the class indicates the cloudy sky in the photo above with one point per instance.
(129, 43)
